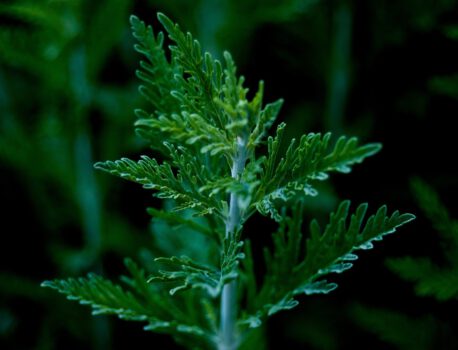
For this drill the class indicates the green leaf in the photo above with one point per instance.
(430, 203)
(404, 332)
(107, 298)
(312, 159)
(204, 82)
(264, 121)
(184, 129)
(318, 287)
(156, 73)
(183, 187)
(187, 274)
(291, 271)
(178, 220)
(429, 278)
(332, 249)
(231, 256)
(102, 295)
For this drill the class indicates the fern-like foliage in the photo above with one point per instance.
(184, 187)
(403, 331)
(137, 301)
(430, 278)
(208, 134)
(191, 274)
(296, 267)
(283, 176)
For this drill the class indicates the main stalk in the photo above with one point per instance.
(228, 336)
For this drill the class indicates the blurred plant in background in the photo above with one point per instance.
(55, 61)
(54, 95)
(431, 279)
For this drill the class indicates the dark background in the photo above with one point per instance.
(384, 71)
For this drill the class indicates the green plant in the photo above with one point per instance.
(52, 58)
(432, 279)
(209, 134)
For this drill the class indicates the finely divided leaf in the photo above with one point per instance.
(185, 273)
(291, 272)
(332, 249)
(204, 80)
(156, 73)
(103, 296)
(107, 298)
(183, 187)
(290, 175)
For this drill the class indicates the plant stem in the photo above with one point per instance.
(228, 338)
(340, 64)
(86, 190)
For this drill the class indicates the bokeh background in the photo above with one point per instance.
(382, 70)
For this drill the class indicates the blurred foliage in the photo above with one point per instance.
(230, 24)
(430, 278)
(404, 332)
(66, 96)
(59, 58)
(53, 91)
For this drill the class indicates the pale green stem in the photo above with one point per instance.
(228, 332)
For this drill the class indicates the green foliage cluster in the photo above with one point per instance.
(57, 71)
(430, 278)
(332, 250)
(208, 132)
(404, 332)
(52, 89)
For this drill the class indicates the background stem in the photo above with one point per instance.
(339, 67)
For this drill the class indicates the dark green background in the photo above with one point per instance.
(385, 71)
